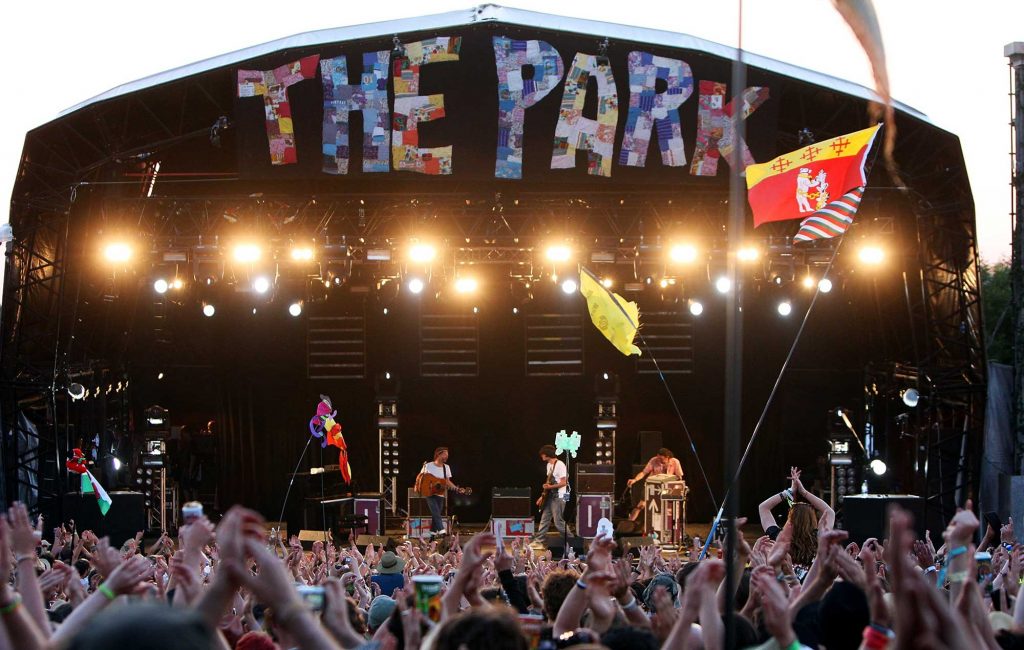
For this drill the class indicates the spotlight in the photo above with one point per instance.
(295, 309)
(209, 310)
(683, 253)
(607, 283)
(466, 285)
(422, 253)
(747, 254)
(723, 284)
(911, 397)
(878, 466)
(261, 284)
(415, 285)
(559, 253)
(117, 463)
(160, 285)
(117, 252)
(785, 308)
(247, 253)
(824, 285)
(515, 310)
(871, 255)
(664, 283)
(569, 286)
(808, 282)
(76, 391)
(696, 307)
(302, 253)
(160, 375)
(476, 310)
(177, 284)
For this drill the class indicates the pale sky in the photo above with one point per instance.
(945, 57)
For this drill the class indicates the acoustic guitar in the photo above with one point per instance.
(429, 485)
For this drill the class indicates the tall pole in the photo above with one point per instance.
(734, 327)
(1015, 52)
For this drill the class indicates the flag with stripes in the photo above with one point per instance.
(832, 220)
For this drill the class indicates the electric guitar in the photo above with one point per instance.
(429, 485)
(544, 491)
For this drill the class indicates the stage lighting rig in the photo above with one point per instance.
(415, 285)
(466, 285)
(696, 307)
(683, 253)
(558, 253)
(247, 253)
(785, 308)
(569, 286)
(118, 252)
(422, 253)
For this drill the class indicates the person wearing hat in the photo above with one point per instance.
(388, 575)
(380, 610)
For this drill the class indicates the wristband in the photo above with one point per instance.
(580, 584)
(632, 604)
(959, 550)
(106, 591)
(877, 637)
(12, 606)
(796, 645)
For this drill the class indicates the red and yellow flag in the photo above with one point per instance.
(798, 183)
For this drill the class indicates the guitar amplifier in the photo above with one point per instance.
(417, 505)
(595, 479)
(511, 503)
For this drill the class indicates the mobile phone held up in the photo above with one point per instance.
(313, 596)
(191, 512)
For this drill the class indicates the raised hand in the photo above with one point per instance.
(126, 577)
(24, 536)
(961, 527)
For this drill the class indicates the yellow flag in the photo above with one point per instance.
(617, 319)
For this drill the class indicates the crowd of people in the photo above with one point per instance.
(803, 584)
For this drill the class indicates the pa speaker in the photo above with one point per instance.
(126, 516)
(867, 515)
(556, 544)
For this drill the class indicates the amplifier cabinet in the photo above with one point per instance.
(370, 508)
(595, 479)
(514, 507)
(590, 508)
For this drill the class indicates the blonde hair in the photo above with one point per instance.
(805, 533)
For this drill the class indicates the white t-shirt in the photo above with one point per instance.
(430, 467)
(558, 473)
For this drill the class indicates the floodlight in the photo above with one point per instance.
(747, 254)
(723, 284)
(696, 307)
(569, 286)
(808, 282)
(683, 253)
(466, 285)
(295, 309)
(117, 252)
(261, 284)
(607, 283)
(911, 397)
(247, 253)
(785, 308)
(422, 253)
(76, 391)
(824, 285)
(559, 253)
(878, 466)
(415, 285)
(160, 285)
(302, 253)
(871, 255)
(209, 310)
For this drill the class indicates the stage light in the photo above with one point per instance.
(76, 391)
(911, 397)
(476, 310)
(824, 285)
(466, 285)
(515, 310)
(295, 309)
(261, 284)
(808, 282)
(871, 255)
(559, 253)
(878, 466)
(785, 308)
(385, 311)
(696, 307)
(422, 253)
(160, 285)
(117, 463)
(664, 283)
(247, 253)
(209, 310)
(415, 285)
(604, 376)
(569, 286)
(607, 283)
(723, 284)
(747, 254)
(302, 253)
(177, 284)
(683, 253)
(117, 252)
(160, 375)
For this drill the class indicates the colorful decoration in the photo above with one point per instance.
(76, 465)
(516, 94)
(617, 319)
(328, 431)
(799, 184)
(831, 220)
(573, 131)
(412, 108)
(714, 126)
(648, 108)
(369, 96)
(569, 443)
(273, 86)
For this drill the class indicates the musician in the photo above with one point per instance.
(664, 462)
(552, 501)
(438, 468)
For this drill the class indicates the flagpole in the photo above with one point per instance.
(734, 326)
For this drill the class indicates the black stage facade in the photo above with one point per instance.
(181, 168)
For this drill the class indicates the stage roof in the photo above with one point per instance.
(506, 15)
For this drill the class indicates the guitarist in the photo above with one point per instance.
(554, 492)
(438, 468)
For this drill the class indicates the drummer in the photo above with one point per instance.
(664, 462)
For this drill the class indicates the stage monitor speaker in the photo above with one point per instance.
(631, 545)
(307, 537)
(127, 515)
(650, 443)
(417, 504)
(510, 492)
(867, 515)
(378, 541)
(556, 544)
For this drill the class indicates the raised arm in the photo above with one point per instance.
(826, 515)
